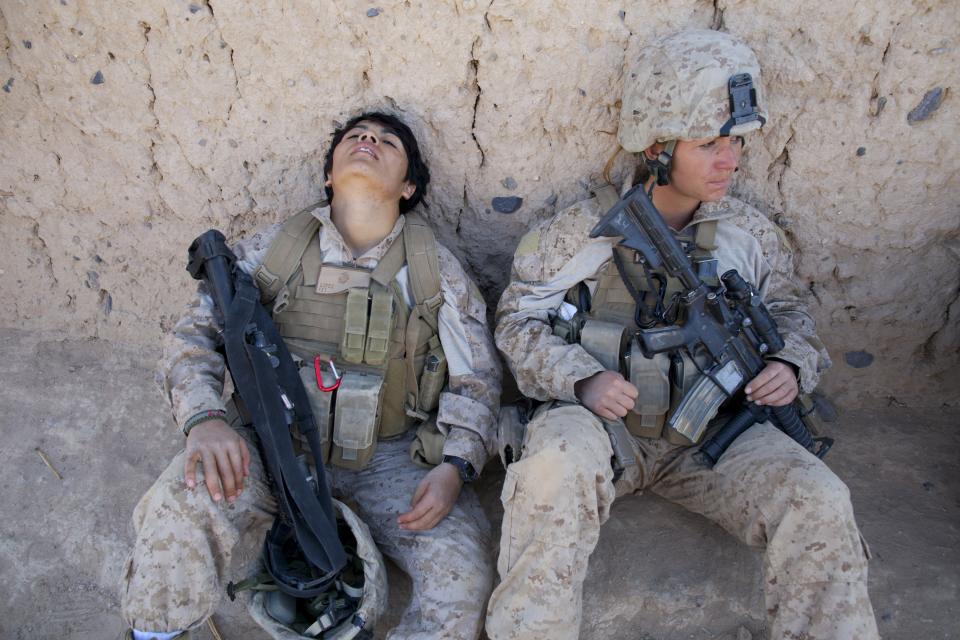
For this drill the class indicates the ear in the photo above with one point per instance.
(408, 190)
(651, 152)
(328, 183)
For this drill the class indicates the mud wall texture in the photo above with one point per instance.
(126, 128)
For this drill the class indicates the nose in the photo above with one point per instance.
(728, 155)
(369, 136)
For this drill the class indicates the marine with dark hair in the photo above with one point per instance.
(567, 326)
(403, 380)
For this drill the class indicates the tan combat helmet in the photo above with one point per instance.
(686, 86)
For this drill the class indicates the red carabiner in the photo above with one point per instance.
(319, 374)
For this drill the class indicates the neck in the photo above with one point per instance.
(676, 210)
(363, 222)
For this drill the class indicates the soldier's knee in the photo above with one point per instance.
(817, 491)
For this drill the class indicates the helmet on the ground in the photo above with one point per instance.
(691, 85)
(347, 607)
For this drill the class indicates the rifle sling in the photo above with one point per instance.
(311, 515)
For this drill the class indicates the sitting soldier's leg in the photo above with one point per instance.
(450, 565)
(555, 499)
(176, 574)
(770, 492)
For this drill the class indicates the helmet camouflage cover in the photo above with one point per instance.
(680, 88)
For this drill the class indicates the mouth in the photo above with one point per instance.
(716, 184)
(365, 148)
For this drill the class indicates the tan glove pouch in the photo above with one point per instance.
(356, 419)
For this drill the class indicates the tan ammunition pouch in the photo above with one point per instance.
(359, 319)
(605, 333)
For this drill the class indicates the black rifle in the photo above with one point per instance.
(729, 323)
(269, 385)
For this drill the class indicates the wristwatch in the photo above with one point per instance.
(464, 468)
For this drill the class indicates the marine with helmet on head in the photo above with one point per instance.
(690, 102)
(403, 381)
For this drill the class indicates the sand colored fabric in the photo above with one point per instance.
(767, 491)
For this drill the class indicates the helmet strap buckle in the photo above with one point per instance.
(660, 166)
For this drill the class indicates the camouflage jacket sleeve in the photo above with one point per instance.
(549, 260)
(192, 369)
(776, 280)
(470, 404)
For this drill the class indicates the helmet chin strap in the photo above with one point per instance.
(660, 166)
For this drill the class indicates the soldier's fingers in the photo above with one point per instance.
(617, 409)
(783, 396)
(769, 384)
(211, 476)
(434, 517)
(235, 455)
(629, 390)
(626, 403)
(190, 468)
(761, 378)
(225, 469)
(419, 492)
(410, 518)
(245, 457)
(421, 522)
(767, 392)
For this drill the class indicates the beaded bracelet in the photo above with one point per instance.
(203, 416)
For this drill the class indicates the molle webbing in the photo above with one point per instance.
(368, 329)
(613, 302)
(283, 256)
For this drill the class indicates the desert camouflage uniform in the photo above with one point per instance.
(177, 571)
(766, 490)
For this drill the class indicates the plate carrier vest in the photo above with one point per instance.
(605, 328)
(391, 364)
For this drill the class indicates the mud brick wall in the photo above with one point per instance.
(126, 128)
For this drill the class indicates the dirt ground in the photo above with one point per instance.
(95, 411)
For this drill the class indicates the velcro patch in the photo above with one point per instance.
(338, 279)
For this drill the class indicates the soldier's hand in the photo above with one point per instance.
(775, 386)
(607, 394)
(225, 458)
(433, 499)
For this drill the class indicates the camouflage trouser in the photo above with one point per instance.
(177, 572)
(766, 490)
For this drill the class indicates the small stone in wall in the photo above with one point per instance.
(509, 183)
(373, 13)
(861, 151)
(28, 44)
(194, 8)
(8, 85)
(858, 359)
(97, 78)
(930, 103)
(507, 204)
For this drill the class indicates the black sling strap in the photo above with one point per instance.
(269, 385)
